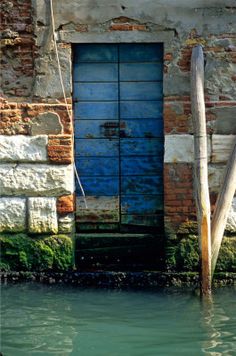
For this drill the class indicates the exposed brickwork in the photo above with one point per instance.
(18, 48)
(177, 118)
(178, 190)
(16, 118)
(127, 27)
(66, 204)
(126, 24)
(60, 149)
(220, 50)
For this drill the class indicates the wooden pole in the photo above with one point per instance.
(222, 207)
(200, 167)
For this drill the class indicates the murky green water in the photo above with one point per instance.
(50, 320)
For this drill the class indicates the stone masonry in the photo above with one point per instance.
(36, 131)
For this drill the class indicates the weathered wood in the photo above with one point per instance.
(200, 166)
(222, 207)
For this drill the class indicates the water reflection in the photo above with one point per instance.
(219, 328)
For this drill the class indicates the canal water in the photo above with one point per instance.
(50, 320)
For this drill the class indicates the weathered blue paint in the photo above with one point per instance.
(146, 128)
(101, 72)
(140, 52)
(96, 91)
(141, 204)
(98, 166)
(96, 110)
(100, 186)
(141, 147)
(96, 147)
(119, 132)
(140, 109)
(145, 165)
(96, 53)
(140, 72)
(141, 184)
(97, 128)
(140, 91)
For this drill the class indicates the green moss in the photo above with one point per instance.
(227, 256)
(20, 252)
(182, 254)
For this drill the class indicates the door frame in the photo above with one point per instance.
(166, 37)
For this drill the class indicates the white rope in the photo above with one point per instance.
(64, 96)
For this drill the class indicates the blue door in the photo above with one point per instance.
(119, 135)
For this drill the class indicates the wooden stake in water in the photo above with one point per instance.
(200, 167)
(222, 207)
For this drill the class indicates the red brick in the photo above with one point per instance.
(127, 27)
(66, 204)
(60, 149)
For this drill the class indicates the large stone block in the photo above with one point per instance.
(178, 148)
(215, 177)
(36, 180)
(42, 215)
(222, 146)
(224, 123)
(12, 214)
(47, 82)
(231, 222)
(66, 224)
(23, 148)
(46, 123)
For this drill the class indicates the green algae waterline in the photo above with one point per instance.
(51, 320)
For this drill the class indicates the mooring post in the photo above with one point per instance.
(201, 167)
(222, 207)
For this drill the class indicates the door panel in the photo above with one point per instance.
(101, 72)
(100, 186)
(141, 204)
(145, 165)
(141, 184)
(140, 53)
(140, 91)
(101, 209)
(98, 166)
(96, 91)
(141, 146)
(140, 71)
(96, 147)
(96, 53)
(96, 110)
(146, 128)
(140, 109)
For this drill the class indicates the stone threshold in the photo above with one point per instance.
(118, 280)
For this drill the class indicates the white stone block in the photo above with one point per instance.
(179, 148)
(231, 222)
(12, 214)
(215, 177)
(23, 148)
(36, 180)
(222, 146)
(66, 224)
(42, 215)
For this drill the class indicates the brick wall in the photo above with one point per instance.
(36, 173)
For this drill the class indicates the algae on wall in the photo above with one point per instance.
(182, 251)
(20, 252)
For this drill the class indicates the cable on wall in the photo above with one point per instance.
(64, 96)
